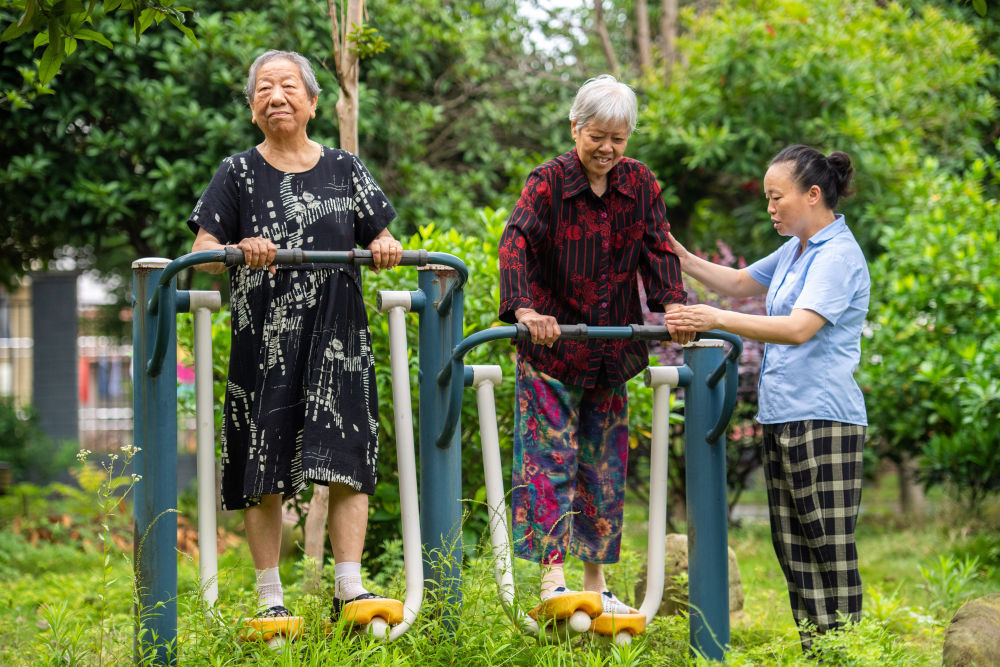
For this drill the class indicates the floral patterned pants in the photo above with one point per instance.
(570, 460)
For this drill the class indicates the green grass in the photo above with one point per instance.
(916, 573)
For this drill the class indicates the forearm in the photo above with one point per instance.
(779, 329)
(721, 279)
(208, 242)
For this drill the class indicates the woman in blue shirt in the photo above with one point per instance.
(812, 409)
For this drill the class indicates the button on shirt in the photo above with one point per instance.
(815, 380)
(568, 253)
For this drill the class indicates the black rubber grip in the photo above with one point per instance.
(650, 332)
(293, 256)
(234, 256)
(566, 331)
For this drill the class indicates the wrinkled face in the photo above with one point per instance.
(788, 205)
(600, 146)
(281, 104)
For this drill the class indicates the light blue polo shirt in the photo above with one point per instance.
(815, 380)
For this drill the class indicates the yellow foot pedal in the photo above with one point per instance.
(564, 605)
(360, 612)
(366, 609)
(614, 624)
(264, 628)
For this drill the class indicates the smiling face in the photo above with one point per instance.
(281, 105)
(790, 207)
(600, 146)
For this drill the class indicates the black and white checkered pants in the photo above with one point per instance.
(813, 471)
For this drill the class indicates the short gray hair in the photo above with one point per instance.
(607, 99)
(305, 69)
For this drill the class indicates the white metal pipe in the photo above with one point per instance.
(484, 379)
(407, 468)
(203, 304)
(661, 379)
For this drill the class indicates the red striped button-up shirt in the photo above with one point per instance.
(568, 253)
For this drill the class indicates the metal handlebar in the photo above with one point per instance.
(298, 256)
(233, 256)
(519, 332)
(583, 332)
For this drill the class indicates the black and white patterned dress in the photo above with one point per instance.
(301, 402)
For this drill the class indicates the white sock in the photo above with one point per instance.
(347, 582)
(269, 592)
(552, 578)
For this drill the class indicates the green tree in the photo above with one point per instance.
(110, 167)
(460, 108)
(60, 26)
(112, 164)
(885, 84)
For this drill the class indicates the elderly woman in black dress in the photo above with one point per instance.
(301, 403)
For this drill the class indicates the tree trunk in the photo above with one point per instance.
(644, 46)
(602, 32)
(912, 501)
(668, 38)
(346, 61)
(347, 77)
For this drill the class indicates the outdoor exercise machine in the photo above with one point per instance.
(438, 301)
(156, 301)
(576, 614)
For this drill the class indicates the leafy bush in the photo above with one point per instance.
(929, 361)
(33, 456)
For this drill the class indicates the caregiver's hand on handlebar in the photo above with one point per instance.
(697, 317)
(544, 328)
(679, 334)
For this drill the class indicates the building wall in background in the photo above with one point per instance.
(54, 366)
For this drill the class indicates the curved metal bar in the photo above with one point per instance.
(458, 265)
(729, 368)
(519, 332)
(232, 256)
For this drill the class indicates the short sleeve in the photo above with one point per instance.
(218, 208)
(833, 281)
(763, 269)
(372, 210)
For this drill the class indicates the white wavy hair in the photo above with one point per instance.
(305, 69)
(605, 98)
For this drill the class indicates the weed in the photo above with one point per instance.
(948, 581)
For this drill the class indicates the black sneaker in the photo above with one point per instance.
(276, 611)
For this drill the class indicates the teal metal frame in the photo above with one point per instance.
(439, 302)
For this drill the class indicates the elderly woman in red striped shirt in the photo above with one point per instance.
(586, 225)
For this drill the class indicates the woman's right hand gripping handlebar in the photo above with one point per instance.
(259, 252)
(544, 329)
